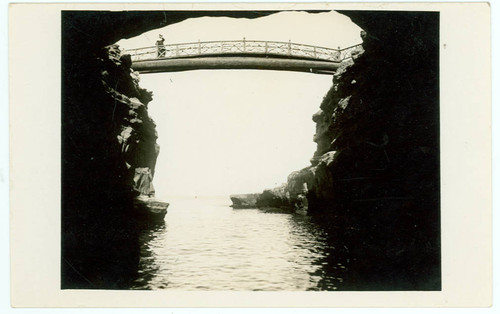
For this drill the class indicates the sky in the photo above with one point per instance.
(224, 132)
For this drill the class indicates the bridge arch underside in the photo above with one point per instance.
(228, 62)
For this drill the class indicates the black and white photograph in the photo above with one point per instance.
(231, 148)
(250, 150)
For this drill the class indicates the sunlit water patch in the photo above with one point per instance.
(207, 245)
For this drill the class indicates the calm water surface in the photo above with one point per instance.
(207, 245)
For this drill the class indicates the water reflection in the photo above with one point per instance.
(210, 246)
(148, 263)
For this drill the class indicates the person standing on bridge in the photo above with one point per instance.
(160, 46)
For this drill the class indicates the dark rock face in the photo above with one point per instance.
(108, 137)
(374, 181)
(135, 131)
(376, 168)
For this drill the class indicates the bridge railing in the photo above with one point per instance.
(240, 47)
(346, 53)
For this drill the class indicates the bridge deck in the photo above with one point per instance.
(225, 62)
(245, 54)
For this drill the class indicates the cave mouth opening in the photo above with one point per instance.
(91, 237)
(230, 132)
(224, 132)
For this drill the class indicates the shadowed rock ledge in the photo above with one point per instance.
(244, 200)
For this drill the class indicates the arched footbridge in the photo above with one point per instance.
(239, 54)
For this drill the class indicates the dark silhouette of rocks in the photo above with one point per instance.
(377, 173)
(374, 179)
(107, 136)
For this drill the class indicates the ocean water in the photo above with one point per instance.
(204, 244)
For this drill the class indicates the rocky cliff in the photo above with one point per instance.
(134, 129)
(374, 180)
(109, 157)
